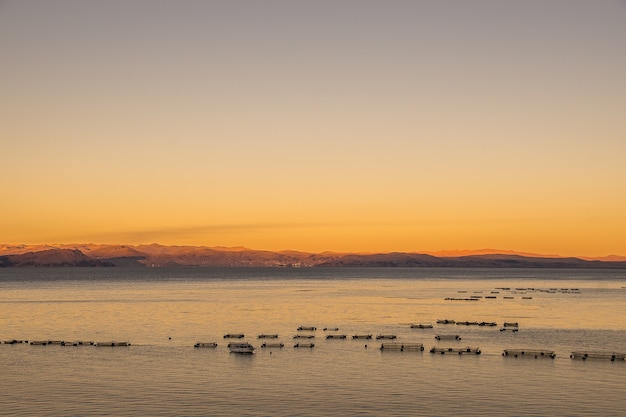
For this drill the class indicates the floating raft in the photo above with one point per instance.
(445, 321)
(272, 345)
(331, 329)
(267, 336)
(362, 336)
(612, 356)
(304, 345)
(459, 351)
(77, 343)
(13, 342)
(39, 342)
(205, 345)
(336, 336)
(387, 336)
(510, 324)
(111, 344)
(529, 353)
(448, 337)
(513, 329)
(402, 346)
(234, 336)
(421, 326)
(304, 336)
(307, 328)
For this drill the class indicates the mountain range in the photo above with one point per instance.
(155, 255)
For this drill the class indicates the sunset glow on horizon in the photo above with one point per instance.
(347, 126)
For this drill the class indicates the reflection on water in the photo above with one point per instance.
(164, 312)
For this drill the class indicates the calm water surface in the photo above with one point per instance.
(163, 312)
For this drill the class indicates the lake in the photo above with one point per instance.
(163, 312)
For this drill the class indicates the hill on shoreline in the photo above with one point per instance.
(155, 255)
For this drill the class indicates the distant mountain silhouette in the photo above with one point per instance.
(160, 256)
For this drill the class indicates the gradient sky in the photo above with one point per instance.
(319, 125)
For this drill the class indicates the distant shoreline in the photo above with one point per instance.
(181, 256)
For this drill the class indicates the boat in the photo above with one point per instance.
(421, 326)
(448, 337)
(307, 328)
(234, 336)
(241, 347)
(362, 336)
(205, 345)
(386, 336)
(272, 345)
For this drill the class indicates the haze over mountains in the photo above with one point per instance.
(154, 255)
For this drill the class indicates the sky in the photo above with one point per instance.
(315, 125)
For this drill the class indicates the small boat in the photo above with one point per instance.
(386, 336)
(272, 345)
(336, 336)
(421, 326)
(307, 328)
(241, 347)
(304, 345)
(448, 337)
(205, 345)
(234, 336)
(14, 342)
(362, 336)
(267, 336)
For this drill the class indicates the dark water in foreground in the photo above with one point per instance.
(163, 312)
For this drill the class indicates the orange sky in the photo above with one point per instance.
(350, 126)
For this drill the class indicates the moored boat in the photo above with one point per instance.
(205, 345)
(448, 337)
(241, 347)
(234, 336)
